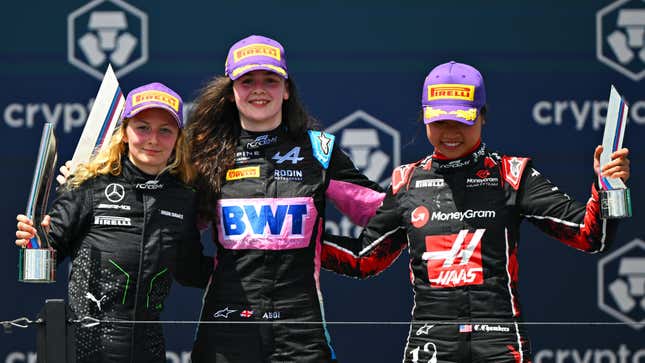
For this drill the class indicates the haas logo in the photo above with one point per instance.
(454, 260)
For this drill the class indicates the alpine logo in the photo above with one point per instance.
(454, 260)
(112, 221)
(460, 216)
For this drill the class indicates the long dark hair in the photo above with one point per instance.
(214, 129)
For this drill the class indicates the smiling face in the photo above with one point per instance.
(151, 136)
(258, 97)
(453, 139)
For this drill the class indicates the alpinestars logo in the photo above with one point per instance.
(454, 260)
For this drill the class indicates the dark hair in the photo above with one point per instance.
(214, 129)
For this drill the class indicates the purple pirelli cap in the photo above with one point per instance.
(154, 95)
(453, 91)
(253, 53)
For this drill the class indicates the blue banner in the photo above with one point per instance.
(359, 67)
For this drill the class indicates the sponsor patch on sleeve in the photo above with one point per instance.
(322, 144)
(513, 167)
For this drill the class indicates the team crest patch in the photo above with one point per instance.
(401, 177)
(322, 144)
(513, 167)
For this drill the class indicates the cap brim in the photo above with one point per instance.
(242, 70)
(167, 108)
(465, 115)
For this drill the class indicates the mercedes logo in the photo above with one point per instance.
(114, 192)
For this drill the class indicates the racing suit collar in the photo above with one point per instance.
(135, 175)
(259, 139)
(470, 158)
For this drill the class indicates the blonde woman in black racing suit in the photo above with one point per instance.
(127, 221)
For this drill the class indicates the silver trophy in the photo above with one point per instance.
(37, 262)
(615, 201)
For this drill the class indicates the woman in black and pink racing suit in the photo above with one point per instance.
(264, 178)
(459, 211)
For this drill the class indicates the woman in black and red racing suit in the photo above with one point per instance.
(459, 211)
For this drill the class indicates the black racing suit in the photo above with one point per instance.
(461, 219)
(268, 230)
(126, 235)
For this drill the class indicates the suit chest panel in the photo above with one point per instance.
(283, 170)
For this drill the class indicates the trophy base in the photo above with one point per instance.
(615, 203)
(37, 265)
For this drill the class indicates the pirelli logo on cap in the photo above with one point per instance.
(156, 96)
(256, 49)
(243, 173)
(451, 92)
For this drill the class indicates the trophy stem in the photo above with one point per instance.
(615, 203)
(37, 265)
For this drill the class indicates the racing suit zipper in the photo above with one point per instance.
(136, 291)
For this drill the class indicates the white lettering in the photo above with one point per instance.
(20, 357)
(31, 111)
(621, 355)
(468, 214)
(171, 214)
(585, 358)
(427, 183)
(539, 117)
(580, 115)
(560, 106)
(50, 116)
(177, 357)
(112, 221)
(71, 115)
(589, 112)
(9, 117)
(636, 114)
(599, 114)
(75, 116)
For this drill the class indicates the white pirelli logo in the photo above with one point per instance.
(112, 221)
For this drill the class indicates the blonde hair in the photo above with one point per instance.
(108, 161)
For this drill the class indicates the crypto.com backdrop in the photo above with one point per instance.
(359, 68)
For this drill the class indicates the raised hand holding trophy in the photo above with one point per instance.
(615, 201)
(37, 262)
